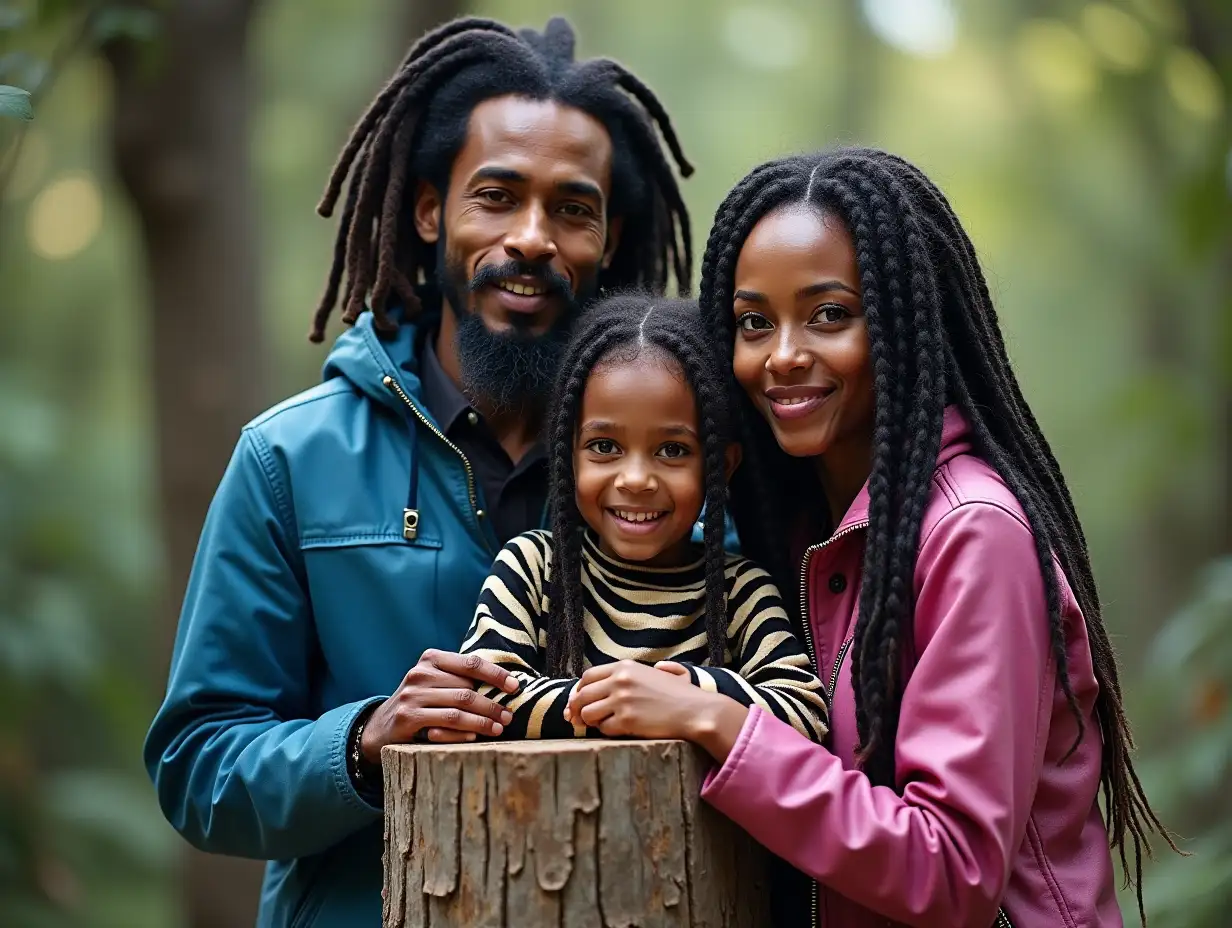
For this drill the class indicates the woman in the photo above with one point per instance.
(945, 583)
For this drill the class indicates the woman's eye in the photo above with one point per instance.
(831, 314)
(602, 446)
(753, 322)
(674, 449)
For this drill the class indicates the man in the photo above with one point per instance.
(496, 186)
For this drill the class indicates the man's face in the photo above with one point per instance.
(521, 236)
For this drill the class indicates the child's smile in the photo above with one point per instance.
(638, 459)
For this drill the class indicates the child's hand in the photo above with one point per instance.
(628, 698)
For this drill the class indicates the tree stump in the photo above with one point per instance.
(601, 833)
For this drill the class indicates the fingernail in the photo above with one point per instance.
(506, 716)
(568, 715)
(470, 736)
(512, 684)
(497, 728)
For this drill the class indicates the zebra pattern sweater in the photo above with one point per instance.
(645, 614)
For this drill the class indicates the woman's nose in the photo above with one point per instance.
(787, 355)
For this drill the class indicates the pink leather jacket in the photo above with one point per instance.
(988, 816)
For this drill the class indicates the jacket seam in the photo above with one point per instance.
(975, 502)
(1054, 888)
(947, 486)
(295, 402)
(265, 460)
(312, 541)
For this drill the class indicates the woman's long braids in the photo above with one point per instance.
(934, 338)
(415, 127)
(620, 329)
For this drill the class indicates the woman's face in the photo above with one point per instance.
(802, 351)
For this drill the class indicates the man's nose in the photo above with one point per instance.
(530, 237)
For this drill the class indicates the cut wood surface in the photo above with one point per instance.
(599, 833)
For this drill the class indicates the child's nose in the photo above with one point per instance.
(636, 477)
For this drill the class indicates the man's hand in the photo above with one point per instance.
(438, 696)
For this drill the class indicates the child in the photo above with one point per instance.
(640, 438)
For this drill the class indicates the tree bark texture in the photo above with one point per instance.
(610, 834)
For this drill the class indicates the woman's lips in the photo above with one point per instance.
(796, 402)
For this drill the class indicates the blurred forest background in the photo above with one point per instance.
(160, 259)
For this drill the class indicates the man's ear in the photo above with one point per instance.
(733, 456)
(614, 227)
(428, 205)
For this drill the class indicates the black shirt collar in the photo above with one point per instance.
(445, 402)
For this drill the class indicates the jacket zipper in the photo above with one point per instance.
(1003, 920)
(838, 662)
(807, 627)
(394, 387)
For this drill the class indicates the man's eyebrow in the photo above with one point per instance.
(581, 188)
(497, 173)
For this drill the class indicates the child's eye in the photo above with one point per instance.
(674, 449)
(602, 446)
(753, 322)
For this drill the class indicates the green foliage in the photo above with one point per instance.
(81, 839)
(76, 813)
(1192, 662)
(124, 22)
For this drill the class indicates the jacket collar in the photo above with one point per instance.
(955, 440)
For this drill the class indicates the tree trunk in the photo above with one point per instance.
(567, 833)
(180, 138)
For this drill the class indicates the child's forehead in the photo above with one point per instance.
(644, 389)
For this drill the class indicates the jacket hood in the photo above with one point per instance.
(366, 359)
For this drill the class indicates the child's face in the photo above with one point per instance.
(637, 460)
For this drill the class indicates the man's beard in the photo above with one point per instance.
(511, 371)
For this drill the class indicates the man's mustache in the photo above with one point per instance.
(554, 283)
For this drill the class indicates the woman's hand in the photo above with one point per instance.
(632, 699)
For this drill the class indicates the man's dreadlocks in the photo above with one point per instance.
(934, 339)
(416, 126)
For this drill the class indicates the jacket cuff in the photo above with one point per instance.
(368, 799)
(718, 780)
